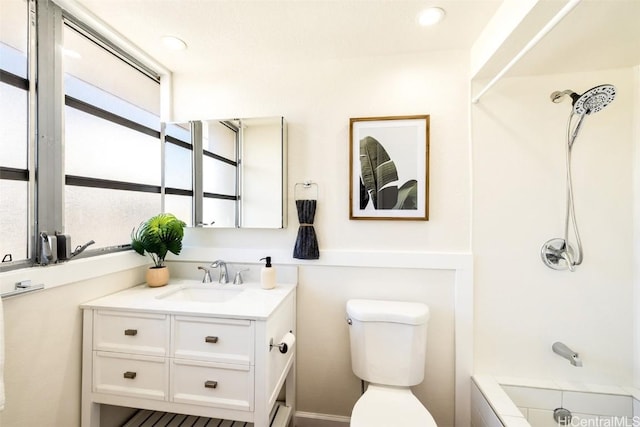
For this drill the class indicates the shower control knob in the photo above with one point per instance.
(556, 254)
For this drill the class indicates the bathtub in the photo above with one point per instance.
(518, 402)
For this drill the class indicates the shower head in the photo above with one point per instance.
(592, 101)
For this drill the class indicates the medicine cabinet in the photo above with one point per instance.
(234, 169)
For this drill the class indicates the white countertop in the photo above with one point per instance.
(252, 303)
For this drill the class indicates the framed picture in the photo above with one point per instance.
(389, 168)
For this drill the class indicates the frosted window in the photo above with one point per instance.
(219, 211)
(112, 133)
(13, 36)
(219, 139)
(14, 135)
(106, 216)
(178, 167)
(99, 148)
(179, 131)
(13, 219)
(180, 206)
(134, 95)
(13, 123)
(218, 177)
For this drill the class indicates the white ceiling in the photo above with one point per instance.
(231, 34)
(237, 33)
(595, 35)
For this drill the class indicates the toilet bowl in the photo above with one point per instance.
(388, 347)
(384, 406)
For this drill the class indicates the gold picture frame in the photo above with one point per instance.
(389, 168)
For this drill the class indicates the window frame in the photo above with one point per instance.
(46, 21)
(25, 175)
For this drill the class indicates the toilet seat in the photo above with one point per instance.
(382, 406)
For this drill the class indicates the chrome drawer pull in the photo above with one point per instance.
(211, 384)
(129, 375)
(131, 332)
(211, 340)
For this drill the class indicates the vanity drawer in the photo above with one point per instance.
(140, 333)
(217, 340)
(221, 385)
(130, 375)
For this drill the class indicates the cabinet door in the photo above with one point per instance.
(212, 384)
(131, 375)
(139, 333)
(218, 340)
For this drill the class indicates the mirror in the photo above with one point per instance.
(227, 173)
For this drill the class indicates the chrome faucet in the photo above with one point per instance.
(567, 353)
(207, 274)
(238, 280)
(224, 274)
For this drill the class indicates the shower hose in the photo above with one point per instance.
(570, 216)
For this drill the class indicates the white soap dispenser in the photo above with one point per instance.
(268, 274)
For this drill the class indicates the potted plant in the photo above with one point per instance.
(158, 235)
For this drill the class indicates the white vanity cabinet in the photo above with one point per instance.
(194, 358)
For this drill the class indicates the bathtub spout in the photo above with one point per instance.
(564, 351)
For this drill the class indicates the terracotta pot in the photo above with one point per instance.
(157, 276)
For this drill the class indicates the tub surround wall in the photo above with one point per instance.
(521, 306)
(518, 402)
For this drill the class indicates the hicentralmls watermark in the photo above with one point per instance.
(606, 422)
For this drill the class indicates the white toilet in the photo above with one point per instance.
(388, 346)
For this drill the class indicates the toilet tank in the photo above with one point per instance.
(388, 341)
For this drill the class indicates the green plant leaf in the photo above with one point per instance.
(377, 171)
(157, 236)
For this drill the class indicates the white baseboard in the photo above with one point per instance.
(310, 419)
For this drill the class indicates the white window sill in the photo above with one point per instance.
(68, 272)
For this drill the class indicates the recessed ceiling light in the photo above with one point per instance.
(173, 43)
(431, 16)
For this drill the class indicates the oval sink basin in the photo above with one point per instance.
(201, 293)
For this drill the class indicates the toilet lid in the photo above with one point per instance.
(387, 406)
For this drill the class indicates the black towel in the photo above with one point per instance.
(306, 246)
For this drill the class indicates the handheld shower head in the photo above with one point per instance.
(595, 99)
(592, 101)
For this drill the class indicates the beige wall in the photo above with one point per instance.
(43, 336)
(317, 100)
(326, 384)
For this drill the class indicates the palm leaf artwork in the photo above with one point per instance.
(407, 195)
(157, 236)
(378, 173)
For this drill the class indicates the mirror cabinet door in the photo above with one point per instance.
(236, 173)
(178, 171)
